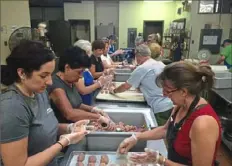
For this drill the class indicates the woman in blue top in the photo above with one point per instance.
(112, 51)
(86, 86)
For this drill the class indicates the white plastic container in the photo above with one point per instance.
(222, 80)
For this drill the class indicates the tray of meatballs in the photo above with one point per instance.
(98, 158)
(79, 158)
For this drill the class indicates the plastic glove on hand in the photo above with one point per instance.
(110, 125)
(102, 80)
(118, 52)
(78, 132)
(127, 144)
(100, 111)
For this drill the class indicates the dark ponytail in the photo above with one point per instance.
(28, 55)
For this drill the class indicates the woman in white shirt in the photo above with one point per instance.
(106, 59)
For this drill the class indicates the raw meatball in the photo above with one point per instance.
(104, 159)
(123, 164)
(81, 157)
(80, 164)
(103, 164)
(91, 164)
(92, 159)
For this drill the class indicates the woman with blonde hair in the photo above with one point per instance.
(155, 51)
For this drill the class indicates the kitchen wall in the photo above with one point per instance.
(107, 13)
(9, 22)
(78, 11)
(132, 14)
(197, 21)
(184, 14)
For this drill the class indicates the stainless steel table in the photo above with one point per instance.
(225, 94)
(153, 144)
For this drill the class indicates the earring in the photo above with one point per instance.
(22, 77)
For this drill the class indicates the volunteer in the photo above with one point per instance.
(193, 131)
(175, 52)
(29, 127)
(112, 51)
(226, 53)
(86, 86)
(106, 59)
(155, 51)
(65, 99)
(139, 40)
(143, 78)
(97, 68)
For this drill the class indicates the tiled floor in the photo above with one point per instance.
(224, 156)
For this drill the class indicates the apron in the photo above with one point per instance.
(172, 133)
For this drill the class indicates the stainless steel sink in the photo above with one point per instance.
(109, 141)
(122, 75)
(120, 71)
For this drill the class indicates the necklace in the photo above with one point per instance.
(21, 89)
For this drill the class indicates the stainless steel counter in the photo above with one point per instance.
(226, 94)
(130, 108)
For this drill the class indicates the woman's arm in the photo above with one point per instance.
(94, 73)
(154, 134)
(80, 85)
(106, 65)
(60, 99)
(86, 107)
(15, 153)
(204, 134)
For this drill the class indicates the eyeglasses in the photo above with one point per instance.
(167, 93)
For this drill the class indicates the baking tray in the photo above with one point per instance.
(128, 96)
(114, 159)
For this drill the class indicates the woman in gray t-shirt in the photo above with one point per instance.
(65, 99)
(29, 128)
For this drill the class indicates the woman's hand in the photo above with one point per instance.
(118, 52)
(102, 81)
(110, 125)
(109, 71)
(78, 132)
(127, 144)
(100, 111)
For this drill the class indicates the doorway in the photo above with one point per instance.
(150, 27)
(80, 29)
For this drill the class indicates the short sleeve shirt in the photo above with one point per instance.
(24, 116)
(71, 93)
(98, 63)
(143, 77)
(227, 52)
(106, 58)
